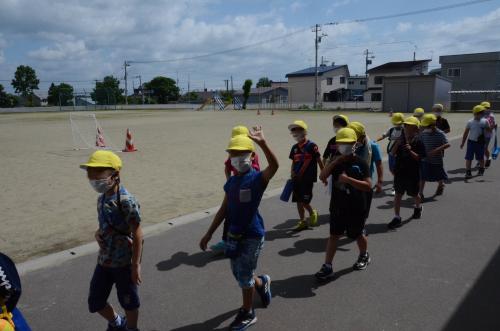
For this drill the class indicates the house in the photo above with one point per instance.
(356, 85)
(279, 84)
(265, 95)
(476, 74)
(376, 75)
(405, 93)
(332, 84)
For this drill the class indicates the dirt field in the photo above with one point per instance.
(48, 205)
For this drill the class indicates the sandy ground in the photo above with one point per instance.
(46, 201)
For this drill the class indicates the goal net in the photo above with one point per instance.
(87, 132)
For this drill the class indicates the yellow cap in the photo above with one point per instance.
(486, 104)
(428, 119)
(418, 111)
(477, 109)
(397, 118)
(6, 325)
(340, 116)
(346, 135)
(103, 159)
(298, 124)
(412, 120)
(438, 106)
(239, 130)
(358, 128)
(240, 143)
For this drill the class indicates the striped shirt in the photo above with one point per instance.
(433, 140)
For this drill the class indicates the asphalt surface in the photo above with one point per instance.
(437, 273)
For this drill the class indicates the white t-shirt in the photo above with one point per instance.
(476, 128)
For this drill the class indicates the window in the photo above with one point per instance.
(351, 82)
(378, 80)
(363, 82)
(342, 80)
(329, 81)
(454, 72)
(376, 96)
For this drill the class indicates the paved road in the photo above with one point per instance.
(440, 272)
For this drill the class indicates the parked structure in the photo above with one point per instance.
(265, 95)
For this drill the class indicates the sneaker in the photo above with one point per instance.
(480, 172)
(392, 192)
(302, 225)
(219, 247)
(396, 221)
(121, 327)
(487, 163)
(265, 290)
(314, 218)
(468, 174)
(417, 213)
(243, 320)
(325, 272)
(440, 190)
(362, 262)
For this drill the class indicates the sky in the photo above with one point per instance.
(82, 41)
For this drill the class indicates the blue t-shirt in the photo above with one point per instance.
(244, 194)
(376, 157)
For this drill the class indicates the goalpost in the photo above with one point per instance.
(84, 130)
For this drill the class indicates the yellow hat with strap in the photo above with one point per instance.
(359, 128)
(438, 107)
(486, 104)
(478, 109)
(103, 159)
(346, 135)
(241, 143)
(239, 130)
(341, 117)
(412, 120)
(298, 124)
(397, 118)
(428, 119)
(419, 111)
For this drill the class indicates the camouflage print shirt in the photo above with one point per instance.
(116, 226)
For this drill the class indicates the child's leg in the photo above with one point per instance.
(308, 208)
(468, 164)
(248, 294)
(417, 201)
(421, 187)
(362, 242)
(108, 313)
(397, 203)
(300, 209)
(132, 318)
(331, 248)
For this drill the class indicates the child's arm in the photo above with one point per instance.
(321, 167)
(380, 176)
(362, 185)
(257, 135)
(382, 137)
(227, 172)
(218, 219)
(464, 137)
(439, 149)
(137, 254)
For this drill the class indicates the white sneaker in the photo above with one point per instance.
(393, 192)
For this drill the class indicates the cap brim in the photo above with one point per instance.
(95, 165)
(295, 126)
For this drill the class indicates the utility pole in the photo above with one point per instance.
(189, 87)
(317, 41)
(125, 65)
(368, 60)
(232, 84)
(140, 87)
(226, 81)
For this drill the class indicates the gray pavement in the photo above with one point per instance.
(440, 272)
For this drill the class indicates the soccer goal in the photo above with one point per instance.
(87, 132)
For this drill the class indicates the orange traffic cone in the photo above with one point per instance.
(99, 138)
(129, 143)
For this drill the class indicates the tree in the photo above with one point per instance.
(7, 100)
(25, 80)
(60, 95)
(163, 89)
(108, 92)
(247, 85)
(263, 82)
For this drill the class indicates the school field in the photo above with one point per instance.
(48, 205)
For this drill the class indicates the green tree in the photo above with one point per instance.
(25, 80)
(247, 85)
(263, 82)
(60, 95)
(108, 92)
(163, 89)
(7, 100)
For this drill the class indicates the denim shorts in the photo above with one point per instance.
(243, 267)
(102, 282)
(392, 162)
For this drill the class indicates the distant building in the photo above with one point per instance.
(377, 75)
(476, 75)
(279, 84)
(356, 85)
(265, 95)
(332, 84)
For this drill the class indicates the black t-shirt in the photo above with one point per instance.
(442, 124)
(331, 149)
(405, 164)
(345, 199)
(306, 153)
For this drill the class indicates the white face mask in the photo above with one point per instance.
(335, 129)
(345, 149)
(438, 114)
(242, 163)
(102, 185)
(298, 136)
(427, 130)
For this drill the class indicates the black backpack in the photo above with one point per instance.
(10, 283)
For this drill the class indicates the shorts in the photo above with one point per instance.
(350, 225)
(474, 149)
(102, 282)
(407, 184)
(392, 162)
(433, 172)
(243, 267)
(302, 192)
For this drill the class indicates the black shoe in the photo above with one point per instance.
(325, 272)
(396, 221)
(417, 213)
(362, 262)
(487, 163)
(468, 174)
(265, 290)
(243, 320)
(480, 172)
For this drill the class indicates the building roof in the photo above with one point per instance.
(311, 71)
(472, 57)
(398, 66)
(261, 90)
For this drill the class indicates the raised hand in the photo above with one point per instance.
(257, 135)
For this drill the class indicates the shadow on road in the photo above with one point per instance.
(199, 260)
(211, 324)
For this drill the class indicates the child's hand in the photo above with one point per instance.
(407, 147)
(136, 274)
(204, 241)
(257, 135)
(462, 146)
(378, 187)
(343, 178)
(98, 238)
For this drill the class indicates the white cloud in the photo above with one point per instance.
(404, 26)
(66, 50)
(296, 6)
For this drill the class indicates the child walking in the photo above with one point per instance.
(474, 135)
